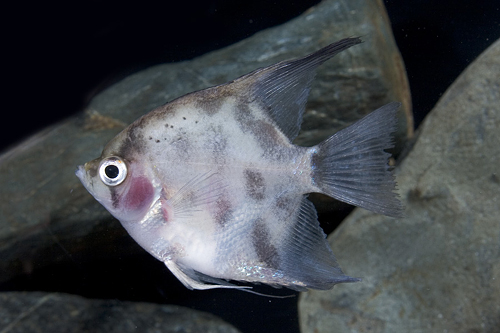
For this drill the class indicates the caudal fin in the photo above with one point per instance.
(351, 166)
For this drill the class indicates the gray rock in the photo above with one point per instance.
(45, 213)
(438, 269)
(52, 312)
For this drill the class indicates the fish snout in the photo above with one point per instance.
(80, 172)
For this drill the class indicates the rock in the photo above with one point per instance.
(53, 312)
(437, 269)
(46, 214)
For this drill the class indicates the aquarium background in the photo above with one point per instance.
(60, 56)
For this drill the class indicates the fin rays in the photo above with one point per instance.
(283, 88)
(308, 257)
(351, 166)
(201, 190)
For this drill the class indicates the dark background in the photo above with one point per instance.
(57, 57)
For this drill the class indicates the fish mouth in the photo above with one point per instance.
(86, 181)
(80, 172)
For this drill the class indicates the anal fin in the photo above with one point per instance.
(306, 255)
(291, 248)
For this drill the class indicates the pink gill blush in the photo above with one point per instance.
(139, 195)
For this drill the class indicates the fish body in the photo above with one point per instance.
(212, 185)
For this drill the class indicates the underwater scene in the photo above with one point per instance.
(314, 166)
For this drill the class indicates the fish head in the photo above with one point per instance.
(121, 182)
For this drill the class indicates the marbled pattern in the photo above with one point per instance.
(217, 191)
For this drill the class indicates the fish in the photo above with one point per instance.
(212, 185)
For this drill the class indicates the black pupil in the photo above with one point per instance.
(111, 171)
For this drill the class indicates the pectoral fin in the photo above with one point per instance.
(190, 198)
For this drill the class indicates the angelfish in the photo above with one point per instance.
(211, 184)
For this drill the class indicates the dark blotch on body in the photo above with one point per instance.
(135, 130)
(125, 148)
(266, 252)
(134, 140)
(243, 115)
(283, 202)
(210, 100)
(266, 133)
(269, 140)
(285, 207)
(223, 212)
(255, 184)
(316, 174)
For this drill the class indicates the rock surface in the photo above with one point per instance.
(52, 312)
(45, 213)
(438, 269)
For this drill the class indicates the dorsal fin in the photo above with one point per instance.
(283, 88)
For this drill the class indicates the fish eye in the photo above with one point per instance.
(113, 171)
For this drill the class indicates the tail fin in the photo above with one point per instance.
(351, 166)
